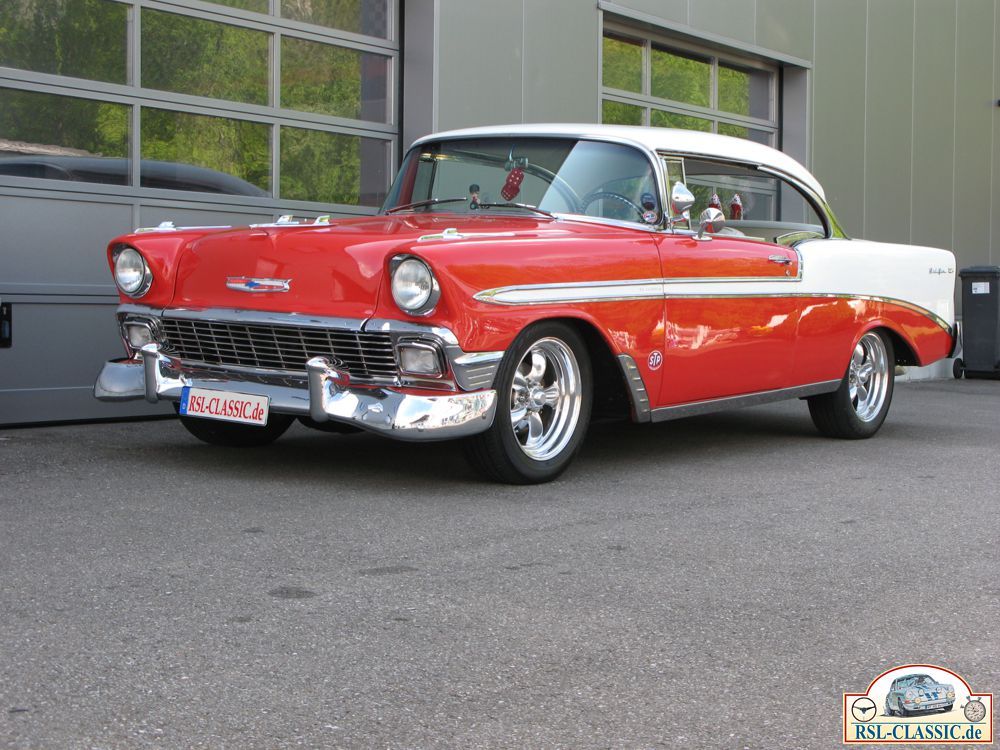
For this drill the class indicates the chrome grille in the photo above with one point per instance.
(277, 347)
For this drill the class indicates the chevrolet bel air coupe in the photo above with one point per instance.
(521, 280)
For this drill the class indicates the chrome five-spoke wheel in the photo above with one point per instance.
(545, 399)
(545, 382)
(859, 406)
(868, 377)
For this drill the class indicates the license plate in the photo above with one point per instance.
(244, 408)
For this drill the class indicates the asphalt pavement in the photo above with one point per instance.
(715, 582)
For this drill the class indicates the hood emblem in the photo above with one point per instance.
(247, 284)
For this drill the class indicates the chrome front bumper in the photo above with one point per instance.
(325, 395)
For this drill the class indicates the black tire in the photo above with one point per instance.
(503, 452)
(957, 368)
(888, 710)
(234, 435)
(841, 415)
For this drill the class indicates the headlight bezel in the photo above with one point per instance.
(146, 278)
(433, 293)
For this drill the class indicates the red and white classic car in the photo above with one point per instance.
(521, 279)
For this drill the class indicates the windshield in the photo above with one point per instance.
(916, 680)
(558, 175)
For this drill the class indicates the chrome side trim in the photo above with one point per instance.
(645, 289)
(680, 411)
(636, 387)
(586, 291)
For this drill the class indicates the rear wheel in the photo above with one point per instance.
(544, 391)
(857, 409)
(235, 435)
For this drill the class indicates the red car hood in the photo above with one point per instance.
(333, 270)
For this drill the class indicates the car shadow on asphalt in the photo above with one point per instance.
(610, 447)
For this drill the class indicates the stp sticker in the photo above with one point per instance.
(655, 360)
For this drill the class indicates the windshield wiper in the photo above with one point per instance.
(428, 202)
(518, 205)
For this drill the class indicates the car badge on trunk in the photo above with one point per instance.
(246, 284)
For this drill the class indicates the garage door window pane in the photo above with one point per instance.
(745, 92)
(79, 38)
(204, 58)
(181, 151)
(622, 63)
(333, 80)
(63, 137)
(369, 17)
(660, 119)
(682, 78)
(617, 113)
(259, 6)
(333, 168)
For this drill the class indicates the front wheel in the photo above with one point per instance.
(544, 392)
(857, 409)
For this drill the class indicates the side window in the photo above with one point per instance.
(756, 204)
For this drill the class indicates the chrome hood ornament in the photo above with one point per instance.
(247, 284)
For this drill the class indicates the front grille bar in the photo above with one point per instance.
(278, 347)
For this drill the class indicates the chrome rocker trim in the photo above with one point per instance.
(325, 395)
(680, 411)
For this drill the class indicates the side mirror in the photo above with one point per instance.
(711, 220)
(681, 199)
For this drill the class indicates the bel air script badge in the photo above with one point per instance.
(246, 284)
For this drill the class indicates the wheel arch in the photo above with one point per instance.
(904, 351)
(612, 396)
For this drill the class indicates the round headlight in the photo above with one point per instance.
(413, 286)
(131, 272)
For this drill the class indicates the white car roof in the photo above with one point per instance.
(654, 139)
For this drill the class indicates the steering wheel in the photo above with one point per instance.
(607, 194)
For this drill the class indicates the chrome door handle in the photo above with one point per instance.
(782, 259)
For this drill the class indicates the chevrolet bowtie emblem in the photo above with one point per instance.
(246, 284)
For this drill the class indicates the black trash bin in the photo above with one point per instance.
(980, 322)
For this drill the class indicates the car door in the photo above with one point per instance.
(730, 317)
(731, 304)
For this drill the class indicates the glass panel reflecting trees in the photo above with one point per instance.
(370, 17)
(333, 168)
(334, 80)
(204, 58)
(232, 156)
(79, 38)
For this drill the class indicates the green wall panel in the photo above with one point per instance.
(838, 120)
(731, 18)
(889, 113)
(786, 26)
(974, 101)
(480, 58)
(561, 86)
(931, 221)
